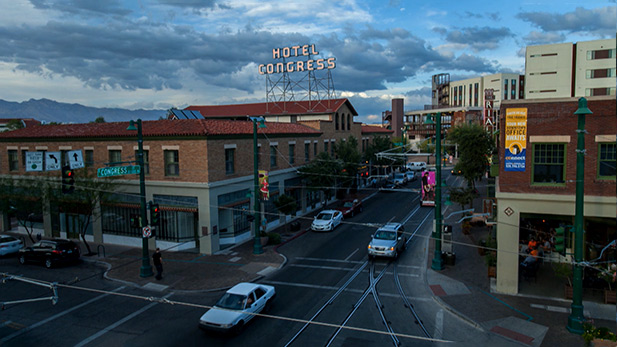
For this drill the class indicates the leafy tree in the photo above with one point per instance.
(475, 146)
(14, 124)
(462, 196)
(99, 120)
(321, 173)
(347, 152)
(23, 198)
(379, 144)
(286, 205)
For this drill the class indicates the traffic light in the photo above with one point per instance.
(560, 240)
(68, 181)
(154, 214)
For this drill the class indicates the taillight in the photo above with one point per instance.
(55, 251)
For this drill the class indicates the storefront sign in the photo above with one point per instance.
(516, 139)
(296, 65)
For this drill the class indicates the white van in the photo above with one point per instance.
(416, 166)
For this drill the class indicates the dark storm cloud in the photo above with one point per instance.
(598, 21)
(479, 39)
(106, 7)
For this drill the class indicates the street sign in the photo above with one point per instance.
(52, 161)
(117, 170)
(34, 161)
(76, 160)
(146, 231)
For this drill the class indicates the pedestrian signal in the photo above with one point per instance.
(68, 180)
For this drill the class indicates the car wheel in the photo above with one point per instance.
(48, 263)
(237, 329)
(22, 259)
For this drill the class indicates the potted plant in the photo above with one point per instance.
(599, 336)
(490, 256)
(609, 276)
(565, 270)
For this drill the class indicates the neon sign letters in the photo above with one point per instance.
(298, 65)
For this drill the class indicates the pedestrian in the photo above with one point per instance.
(157, 259)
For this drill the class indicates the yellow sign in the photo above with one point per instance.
(516, 139)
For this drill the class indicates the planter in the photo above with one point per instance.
(602, 343)
(568, 291)
(264, 240)
(492, 271)
(609, 296)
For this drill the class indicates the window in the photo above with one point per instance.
(89, 159)
(325, 146)
(273, 156)
(115, 156)
(348, 121)
(13, 160)
(336, 121)
(146, 160)
(600, 73)
(229, 160)
(315, 148)
(307, 149)
(513, 89)
(342, 122)
(549, 163)
(505, 89)
(292, 154)
(607, 160)
(172, 163)
(599, 91)
(332, 149)
(24, 154)
(601, 54)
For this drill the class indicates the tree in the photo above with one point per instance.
(14, 124)
(99, 120)
(462, 196)
(347, 152)
(286, 205)
(321, 173)
(475, 147)
(23, 198)
(379, 144)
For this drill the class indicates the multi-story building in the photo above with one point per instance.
(199, 171)
(537, 196)
(570, 69)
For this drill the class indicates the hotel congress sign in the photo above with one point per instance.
(296, 65)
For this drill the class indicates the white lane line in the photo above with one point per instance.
(45, 321)
(327, 260)
(347, 269)
(120, 322)
(349, 290)
(438, 325)
(352, 253)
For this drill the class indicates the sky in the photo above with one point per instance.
(158, 54)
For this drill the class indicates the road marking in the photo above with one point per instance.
(438, 325)
(45, 321)
(120, 322)
(551, 308)
(349, 261)
(352, 253)
(346, 269)
(358, 291)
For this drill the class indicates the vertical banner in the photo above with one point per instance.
(264, 186)
(516, 139)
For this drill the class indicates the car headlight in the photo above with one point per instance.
(391, 248)
(370, 247)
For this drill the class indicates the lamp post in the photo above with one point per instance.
(576, 318)
(257, 249)
(437, 263)
(146, 268)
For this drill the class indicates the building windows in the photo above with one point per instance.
(325, 146)
(549, 163)
(292, 153)
(24, 154)
(342, 122)
(307, 149)
(13, 160)
(146, 154)
(599, 91)
(348, 121)
(273, 150)
(332, 149)
(115, 156)
(601, 54)
(89, 159)
(315, 148)
(513, 89)
(172, 162)
(336, 121)
(476, 86)
(607, 160)
(600, 73)
(229, 160)
(505, 89)
(470, 95)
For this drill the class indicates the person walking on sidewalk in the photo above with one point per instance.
(157, 259)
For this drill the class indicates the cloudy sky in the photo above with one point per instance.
(157, 54)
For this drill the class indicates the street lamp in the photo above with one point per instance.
(257, 249)
(146, 268)
(576, 318)
(437, 263)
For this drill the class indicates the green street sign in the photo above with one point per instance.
(117, 170)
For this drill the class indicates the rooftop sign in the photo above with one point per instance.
(296, 65)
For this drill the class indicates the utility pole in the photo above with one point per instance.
(437, 263)
(257, 249)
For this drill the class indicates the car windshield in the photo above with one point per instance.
(324, 216)
(385, 235)
(399, 175)
(231, 301)
(4, 239)
(348, 204)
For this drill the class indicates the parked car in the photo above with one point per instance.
(9, 244)
(388, 241)
(237, 307)
(388, 187)
(350, 207)
(327, 220)
(411, 176)
(50, 252)
(399, 178)
(456, 170)
(416, 166)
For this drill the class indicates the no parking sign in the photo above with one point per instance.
(147, 232)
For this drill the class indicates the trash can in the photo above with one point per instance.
(449, 258)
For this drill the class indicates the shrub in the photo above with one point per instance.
(274, 238)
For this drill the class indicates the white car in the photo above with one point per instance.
(411, 176)
(9, 244)
(400, 179)
(237, 306)
(327, 220)
(388, 241)
(416, 166)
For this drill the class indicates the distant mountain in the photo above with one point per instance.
(46, 111)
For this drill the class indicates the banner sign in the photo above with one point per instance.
(264, 186)
(516, 139)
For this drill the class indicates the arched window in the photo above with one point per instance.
(336, 121)
(349, 121)
(343, 122)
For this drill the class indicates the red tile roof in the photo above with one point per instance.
(367, 129)
(28, 121)
(178, 127)
(273, 108)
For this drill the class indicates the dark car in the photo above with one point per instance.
(50, 252)
(389, 187)
(350, 207)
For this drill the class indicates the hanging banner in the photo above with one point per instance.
(264, 187)
(516, 139)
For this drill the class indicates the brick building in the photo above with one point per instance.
(540, 196)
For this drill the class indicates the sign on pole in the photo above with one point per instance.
(117, 170)
(147, 232)
(76, 160)
(52, 161)
(34, 161)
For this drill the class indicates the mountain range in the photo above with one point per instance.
(47, 111)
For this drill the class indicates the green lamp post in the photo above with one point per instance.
(146, 268)
(257, 249)
(437, 263)
(576, 318)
